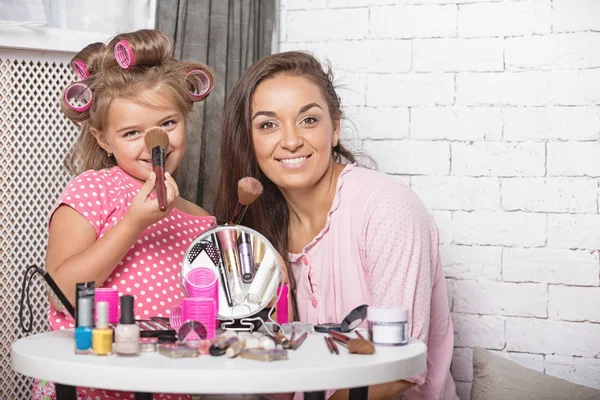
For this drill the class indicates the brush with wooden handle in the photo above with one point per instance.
(248, 190)
(157, 141)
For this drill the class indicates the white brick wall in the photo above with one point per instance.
(490, 110)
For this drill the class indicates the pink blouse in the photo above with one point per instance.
(380, 246)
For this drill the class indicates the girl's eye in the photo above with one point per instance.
(168, 123)
(130, 134)
(309, 120)
(267, 125)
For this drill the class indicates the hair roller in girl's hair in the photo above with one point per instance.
(124, 54)
(78, 97)
(199, 84)
(80, 69)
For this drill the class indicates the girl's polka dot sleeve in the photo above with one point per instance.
(397, 244)
(88, 194)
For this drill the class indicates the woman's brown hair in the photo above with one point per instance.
(155, 69)
(269, 214)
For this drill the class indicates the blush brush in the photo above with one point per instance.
(157, 141)
(248, 190)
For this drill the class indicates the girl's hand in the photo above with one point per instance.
(144, 211)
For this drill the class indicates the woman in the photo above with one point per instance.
(352, 235)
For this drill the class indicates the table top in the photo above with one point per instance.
(50, 356)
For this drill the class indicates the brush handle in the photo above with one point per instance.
(158, 166)
(238, 213)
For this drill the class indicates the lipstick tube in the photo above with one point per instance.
(231, 261)
(245, 251)
(158, 166)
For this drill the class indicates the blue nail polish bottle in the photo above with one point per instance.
(83, 331)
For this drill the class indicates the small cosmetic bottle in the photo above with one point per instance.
(245, 250)
(102, 336)
(388, 326)
(127, 333)
(84, 317)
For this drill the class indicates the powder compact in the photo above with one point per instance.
(348, 324)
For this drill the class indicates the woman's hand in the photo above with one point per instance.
(144, 211)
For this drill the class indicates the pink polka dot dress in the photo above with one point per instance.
(380, 247)
(150, 271)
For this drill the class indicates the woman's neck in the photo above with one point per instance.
(308, 208)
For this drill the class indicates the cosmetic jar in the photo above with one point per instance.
(388, 326)
(148, 344)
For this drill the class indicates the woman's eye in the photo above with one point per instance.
(309, 121)
(267, 125)
(168, 123)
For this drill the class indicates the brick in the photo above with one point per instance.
(533, 335)
(551, 123)
(410, 89)
(462, 364)
(457, 54)
(583, 371)
(410, 157)
(498, 159)
(531, 361)
(499, 298)
(563, 51)
(456, 123)
(550, 194)
(499, 228)
(380, 122)
(463, 390)
(418, 21)
(478, 330)
(507, 88)
(577, 231)
(472, 262)
(302, 4)
(573, 159)
(575, 15)
(458, 193)
(507, 18)
(569, 267)
(575, 87)
(349, 24)
(450, 293)
(443, 220)
(570, 303)
(352, 88)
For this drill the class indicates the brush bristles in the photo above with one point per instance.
(156, 137)
(248, 190)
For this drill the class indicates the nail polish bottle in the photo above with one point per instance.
(102, 336)
(83, 331)
(127, 333)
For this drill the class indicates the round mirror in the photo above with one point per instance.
(235, 265)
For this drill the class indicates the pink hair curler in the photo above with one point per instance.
(80, 69)
(175, 317)
(111, 296)
(78, 97)
(201, 282)
(195, 77)
(203, 310)
(124, 54)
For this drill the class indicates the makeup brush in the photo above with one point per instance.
(248, 190)
(157, 141)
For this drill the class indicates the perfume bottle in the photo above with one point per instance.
(127, 333)
(84, 317)
(102, 336)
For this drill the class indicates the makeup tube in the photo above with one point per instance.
(230, 258)
(158, 166)
(258, 251)
(222, 271)
(245, 249)
(262, 277)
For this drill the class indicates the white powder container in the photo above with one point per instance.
(388, 326)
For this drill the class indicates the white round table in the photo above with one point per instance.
(311, 368)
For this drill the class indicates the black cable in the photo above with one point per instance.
(29, 274)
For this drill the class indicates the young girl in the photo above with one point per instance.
(353, 236)
(107, 226)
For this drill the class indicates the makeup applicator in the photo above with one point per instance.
(248, 190)
(157, 141)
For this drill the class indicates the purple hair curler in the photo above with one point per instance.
(195, 76)
(80, 69)
(78, 97)
(124, 54)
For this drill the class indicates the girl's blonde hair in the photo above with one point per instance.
(154, 69)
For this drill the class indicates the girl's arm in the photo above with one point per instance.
(75, 255)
